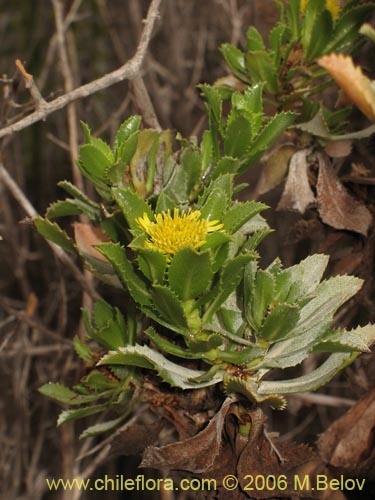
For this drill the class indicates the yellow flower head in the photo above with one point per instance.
(171, 233)
(333, 6)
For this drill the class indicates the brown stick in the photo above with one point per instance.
(17, 193)
(129, 70)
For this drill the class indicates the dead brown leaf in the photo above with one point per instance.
(297, 193)
(348, 443)
(274, 168)
(196, 454)
(336, 206)
(356, 86)
(338, 149)
(86, 237)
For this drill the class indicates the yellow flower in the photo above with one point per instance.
(333, 6)
(171, 233)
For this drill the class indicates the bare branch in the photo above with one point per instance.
(129, 70)
(17, 193)
(69, 86)
(40, 103)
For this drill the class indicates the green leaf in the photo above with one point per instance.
(312, 381)
(254, 40)
(263, 290)
(152, 263)
(126, 129)
(69, 415)
(237, 216)
(261, 68)
(53, 232)
(172, 373)
(359, 339)
(206, 150)
(115, 253)
(347, 26)
(330, 295)
(132, 206)
(168, 305)
(310, 32)
(275, 42)
(64, 208)
(214, 205)
(279, 322)
(164, 203)
(102, 427)
(238, 135)
(226, 165)
(64, 395)
(110, 327)
(293, 9)
(235, 59)
(231, 276)
(190, 273)
(93, 162)
(271, 132)
(76, 193)
(164, 345)
(315, 44)
(83, 350)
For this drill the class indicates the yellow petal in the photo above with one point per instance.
(357, 87)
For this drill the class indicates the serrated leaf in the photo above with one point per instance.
(312, 381)
(132, 206)
(83, 350)
(235, 59)
(164, 203)
(168, 306)
(64, 208)
(76, 193)
(347, 26)
(226, 165)
(356, 86)
(53, 232)
(254, 40)
(261, 68)
(330, 295)
(315, 45)
(152, 263)
(359, 339)
(237, 216)
(164, 345)
(230, 278)
(190, 273)
(64, 395)
(69, 415)
(102, 427)
(271, 132)
(238, 135)
(93, 162)
(262, 295)
(279, 322)
(126, 129)
(309, 33)
(115, 253)
(172, 373)
(214, 205)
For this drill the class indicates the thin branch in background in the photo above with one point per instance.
(68, 86)
(129, 70)
(19, 196)
(70, 18)
(137, 86)
(40, 103)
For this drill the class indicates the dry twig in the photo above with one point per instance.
(129, 70)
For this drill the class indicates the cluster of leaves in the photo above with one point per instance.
(287, 68)
(207, 305)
